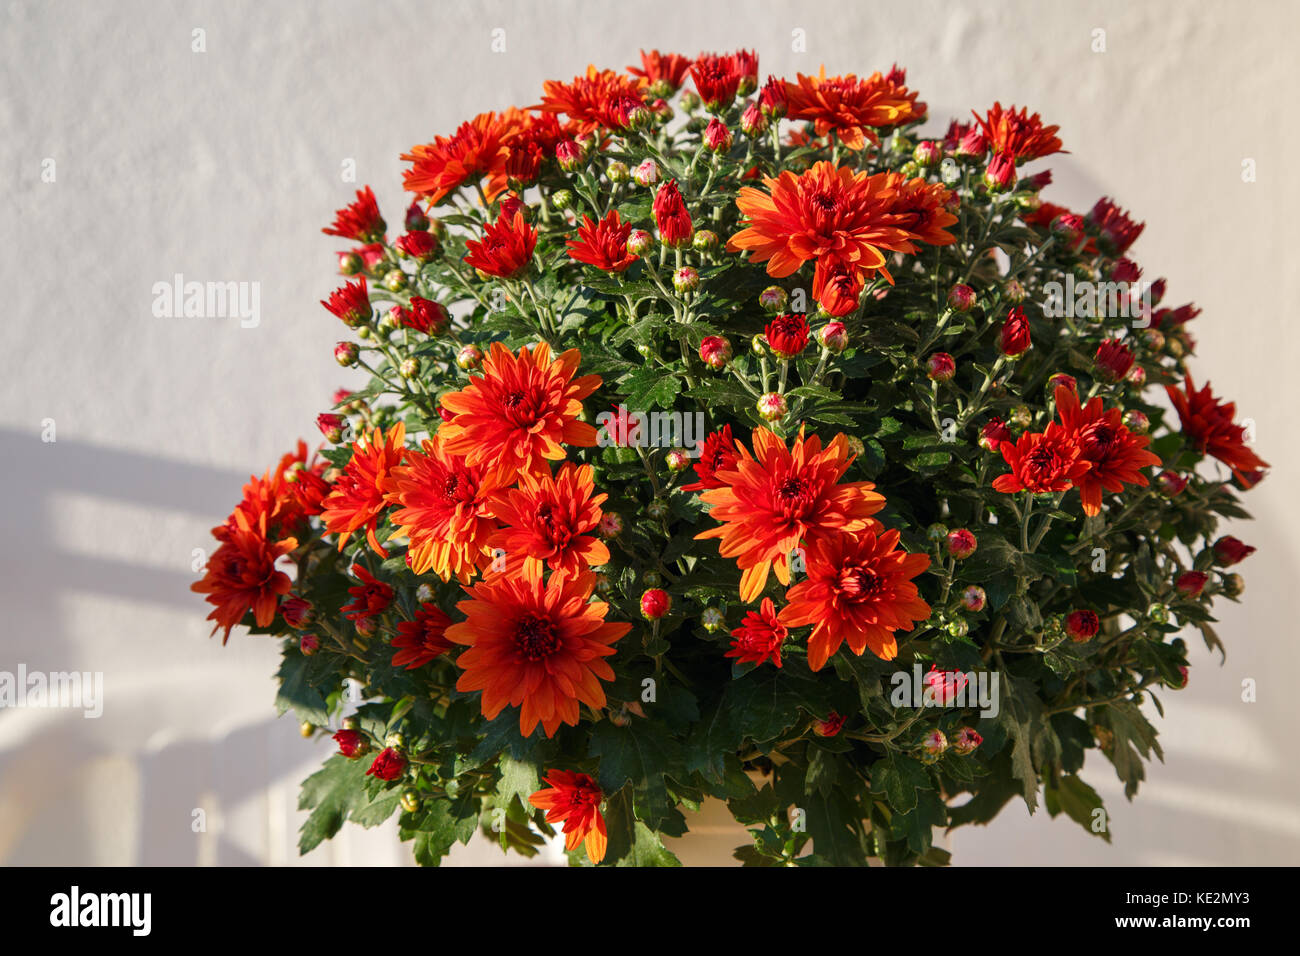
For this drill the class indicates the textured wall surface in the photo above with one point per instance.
(224, 164)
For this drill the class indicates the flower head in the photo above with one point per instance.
(850, 108)
(603, 244)
(478, 149)
(420, 640)
(520, 410)
(369, 598)
(719, 454)
(1115, 455)
(359, 220)
(858, 591)
(539, 648)
(506, 248)
(574, 798)
(759, 637)
(550, 522)
(778, 497)
(358, 496)
(1018, 135)
(241, 575)
(671, 216)
(1041, 462)
(1208, 424)
(351, 302)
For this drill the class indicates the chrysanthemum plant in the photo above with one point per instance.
(753, 448)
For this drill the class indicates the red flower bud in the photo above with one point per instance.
(1014, 339)
(715, 351)
(671, 215)
(346, 353)
(1113, 360)
(1082, 625)
(1191, 583)
(1000, 175)
(1170, 483)
(655, 604)
(389, 765)
(833, 336)
(716, 136)
(831, 726)
(332, 426)
(994, 434)
(309, 644)
(297, 612)
(1229, 550)
(961, 298)
(351, 743)
(941, 367)
(961, 543)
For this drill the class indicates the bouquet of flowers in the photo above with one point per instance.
(727, 439)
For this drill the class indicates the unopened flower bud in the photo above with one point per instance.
(713, 619)
(1136, 422)
(966, 741)
(773, 299)
(974, 598)
(1082, 625)
(611, 525)
(677, 460)
(561, 199)
(685, 280)
(395, 281)
(961, 298)
(1170, 483)
(936, 532)
(410, 801)
(646, 173)
(715, 351)
(570, 156)
(717, 137)
(655, 603)
(772, 407)
(927, 153)
(833, 337)
(639, 242)
(349, 263)
(309, 644)
(940, 367)
(346, 354)
(469, 357)
(1233, 585)
(934, 743)
(706, 240)
(409, 368)
(657, 509)
(961, 543)
(958, 628)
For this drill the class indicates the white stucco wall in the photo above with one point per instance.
(225, 164)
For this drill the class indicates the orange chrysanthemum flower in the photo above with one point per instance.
(780, 497)
(603, 244)
(1208, 423)
(506, 248)
(591, 101)
(520, 410)
(539, 648)
(1017, 134)
(850, 107)
(241, 574)
(445, 509)
(858, 591)
(826, 212)
(548, 522)
(574, 798)
(921, 209)
(358, 496)
(478, 149)
(1114, 454)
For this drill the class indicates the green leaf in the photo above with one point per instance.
(295, 692)
(331, 793)
(1079, 802)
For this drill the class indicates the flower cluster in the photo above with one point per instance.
(719, 437)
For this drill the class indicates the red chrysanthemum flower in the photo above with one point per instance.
(1113, 360)
(759, 637)
(1208, 423)
(421, 640)
(719, 454)
(520, 409)
(351, 303)
(549, 522)
(858, 590)
(444, 508)
(717, 78)
(388, 765)
(851, 108)
(671, 215)
(369, 598)
(603, 244)
(787, 334)
(1115, 225)
(418, 245)
(358, 496)
(590, 101)
(1017, 134)
(574, 799)
(539, 648)
(241, 576)
(1229, 550)
(425, 315)
(826, 211)
(359, 220)
(350, 742)
(1114, 454)
(1041, 462)
(779, 497)
(477, 149)
(506, 248)
(661, 72)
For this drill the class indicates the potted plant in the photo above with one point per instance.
(725, 439)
